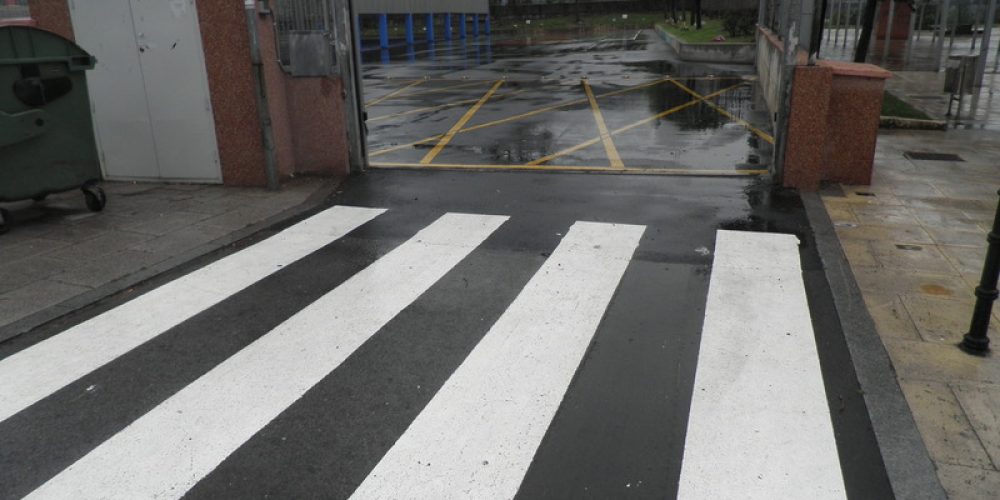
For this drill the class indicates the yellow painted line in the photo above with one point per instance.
(440, 106)
(763, 135)
(429, 157)
(425, 140)
(609, 145)
(443, 90)
(626, 128)
(391, 149)
(546, 109)
(561, 105)
(394, 93)
(566, 168)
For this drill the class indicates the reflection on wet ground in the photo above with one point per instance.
(443, 106)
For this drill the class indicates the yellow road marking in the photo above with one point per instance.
(561, 105)
(609, 145)
(763, 135)
(429, 157)
(443, 90)
(394, 93)
(565, 168)
(440, 106)
(509, 119)
(626, 128)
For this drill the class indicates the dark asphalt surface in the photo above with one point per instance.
(624, 416)
(622, 420)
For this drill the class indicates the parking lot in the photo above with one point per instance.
(617, 103)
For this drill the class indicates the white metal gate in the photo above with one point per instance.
(152, 112)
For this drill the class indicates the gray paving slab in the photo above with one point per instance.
(58, 256)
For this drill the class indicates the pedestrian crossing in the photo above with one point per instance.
(479, 431)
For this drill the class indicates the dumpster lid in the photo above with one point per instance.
(27, 45)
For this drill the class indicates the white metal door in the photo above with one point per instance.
(173, 67)
(117, 92)
(150, 80)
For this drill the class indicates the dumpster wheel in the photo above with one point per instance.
(4, 221)
(95, 197)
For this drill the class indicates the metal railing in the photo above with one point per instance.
(296, 20)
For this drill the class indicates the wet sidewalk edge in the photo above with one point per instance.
(27, 324)
(911, 472)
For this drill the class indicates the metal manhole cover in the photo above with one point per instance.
(917, 155)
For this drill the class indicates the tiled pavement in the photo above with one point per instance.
(916, 240)
(57, 251)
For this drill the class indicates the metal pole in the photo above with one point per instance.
(887, 42)
(835, 22)
(976, 341)
(864, 43)
(954, 28)
(984, 53)
(942, 32)
(263, 108)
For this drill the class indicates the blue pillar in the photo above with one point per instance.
(462, 21)
(475, 25)
(409, 29)
(430, 28)
(486, 24)
(358, 33)
(447, 26)
(383, 31)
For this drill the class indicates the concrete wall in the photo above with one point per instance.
(769, 55)
(720, 52)
(421, 6)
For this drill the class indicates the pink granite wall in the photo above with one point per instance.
(318, 124)
(854, 122)
(833, 124)
(900, 20)
(805, 149)
(275, 81)
(52, 15)
(230, 81)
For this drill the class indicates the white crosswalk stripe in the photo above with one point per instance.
(758, 414)
(34, 373)
(172, 447)
(477, 436)
(759, 425)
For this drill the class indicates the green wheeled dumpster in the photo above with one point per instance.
(47, 140)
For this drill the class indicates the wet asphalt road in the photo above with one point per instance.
(619, 430)
(622, 420)
(626, 73)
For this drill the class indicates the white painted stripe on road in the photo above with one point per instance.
(168, 450)
(34, 373)
(759, 425)
(477, 436)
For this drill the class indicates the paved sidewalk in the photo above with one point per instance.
(916, 241)
(57, 252)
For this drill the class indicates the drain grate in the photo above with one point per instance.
(919, 155)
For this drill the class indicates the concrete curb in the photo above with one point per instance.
(716, 52)
(29, 323)
(896, 122)
(911, 472)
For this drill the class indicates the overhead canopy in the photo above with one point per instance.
(422, 6)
